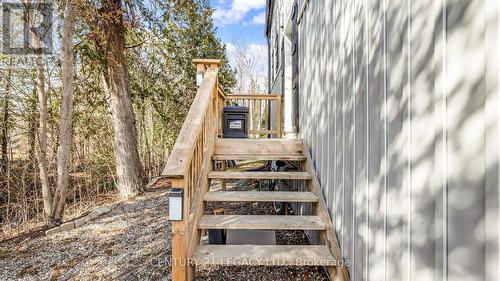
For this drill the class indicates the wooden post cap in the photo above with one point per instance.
(207, 61)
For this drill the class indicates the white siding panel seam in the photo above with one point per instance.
(354, 193)
(385, 171)
(368, 138)
(445, 138)
(368, 158)
(410, 140)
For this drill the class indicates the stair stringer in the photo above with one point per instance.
(329, 236)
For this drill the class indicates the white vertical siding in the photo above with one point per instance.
(400, 108)
(492, 140)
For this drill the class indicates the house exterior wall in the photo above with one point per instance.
(399, 106)
(280, 61)
(276, 37)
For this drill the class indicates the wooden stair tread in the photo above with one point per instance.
(261, 196)
(263, 157)
(258, 146)
(261, 222)
(258, 149)
(259, 175)
(263, 255)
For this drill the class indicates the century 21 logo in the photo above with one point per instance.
(26, 28)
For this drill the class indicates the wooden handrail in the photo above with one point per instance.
(191, 158)
(178, 162)
(207, 61)
(189, 164)
(221, 91)
(253, 97)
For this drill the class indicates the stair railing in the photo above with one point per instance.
(190, 162)
(191, 158)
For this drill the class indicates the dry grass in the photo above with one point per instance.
(71, 212)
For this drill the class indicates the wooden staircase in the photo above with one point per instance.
(191, 167)
(262, 149)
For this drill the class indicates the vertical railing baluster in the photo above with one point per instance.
(260, 115)
(254, 112)
(278, 117)
(250, 115)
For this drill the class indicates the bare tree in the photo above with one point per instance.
(4, 165)
(5, 122)
(43, 111)
(65, 133)
(250, 64)
(53, 201)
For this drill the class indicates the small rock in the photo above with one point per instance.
(79, 222)
(102, 210)
(21, 249)
(54, 275)
(106, 209)
(93, 215)
(53, 230)
(67, 226)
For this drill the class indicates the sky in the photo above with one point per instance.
(240, 20)
(241, 25)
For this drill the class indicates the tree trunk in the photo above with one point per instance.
(65, 132)
(4, 165)
(42, 134)
(32, 155)
(129, 171)
(42, 108)
(32, 107)
(5, 124)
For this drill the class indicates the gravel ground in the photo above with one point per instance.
(128, 243)
(132, 242)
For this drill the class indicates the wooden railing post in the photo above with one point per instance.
(180, 267)
(187, 166)
(201, 67)
(278, 117)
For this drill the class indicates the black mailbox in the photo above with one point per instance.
(235, 122)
